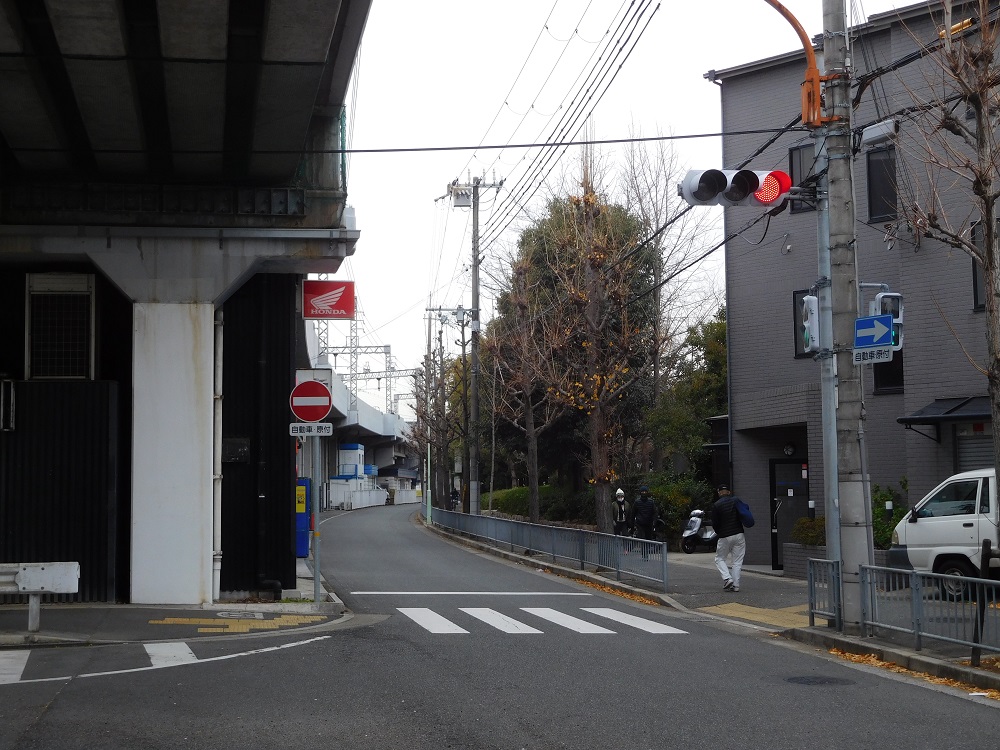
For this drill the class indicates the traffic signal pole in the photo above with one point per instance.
(845, 380)
(827, 112)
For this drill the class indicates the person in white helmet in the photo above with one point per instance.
(621, 511)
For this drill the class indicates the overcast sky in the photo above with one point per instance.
(443, 73)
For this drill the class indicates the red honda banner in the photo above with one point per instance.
(327, 300)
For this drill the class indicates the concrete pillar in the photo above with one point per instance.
(172, 453)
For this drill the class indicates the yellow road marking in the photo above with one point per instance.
(214, 625)
(789, 617)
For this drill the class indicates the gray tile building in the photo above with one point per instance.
(927, 415)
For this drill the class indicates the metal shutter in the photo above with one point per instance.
(974, 452)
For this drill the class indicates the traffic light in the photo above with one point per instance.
(810, 323)
(729, 187)
(891, 303)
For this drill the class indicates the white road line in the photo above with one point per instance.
(567, 621)
(430, 620)
(636, 622)
(499, 620)
(469, 593)
(12, 665)
(210, 658)
(169, 654)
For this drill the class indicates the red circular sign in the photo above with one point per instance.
(310, 401)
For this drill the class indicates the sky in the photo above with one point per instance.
(442, 74)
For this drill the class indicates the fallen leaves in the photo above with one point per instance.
(873, 661)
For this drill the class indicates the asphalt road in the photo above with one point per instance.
(451, 648)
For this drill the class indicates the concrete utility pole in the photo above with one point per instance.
(848, 525)
(854, 523)
(473, 434)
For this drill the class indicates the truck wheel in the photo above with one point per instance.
(951, 589)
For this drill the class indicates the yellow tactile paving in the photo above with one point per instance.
(789, 617)
(220, 625)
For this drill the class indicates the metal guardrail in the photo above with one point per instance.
(825, 592)
(35, 579)
(626, 556)
(951, 609)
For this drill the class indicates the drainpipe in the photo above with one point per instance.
(217, 462)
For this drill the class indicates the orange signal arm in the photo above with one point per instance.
(812, 102)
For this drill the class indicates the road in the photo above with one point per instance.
(451, 648)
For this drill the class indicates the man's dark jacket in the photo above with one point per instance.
(725, 517)
(644, 511)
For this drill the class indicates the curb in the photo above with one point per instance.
(914, 661)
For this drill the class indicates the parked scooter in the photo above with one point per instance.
(698, 533)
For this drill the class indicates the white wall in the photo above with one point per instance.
(172, 453)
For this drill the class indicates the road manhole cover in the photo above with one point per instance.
(819, 680)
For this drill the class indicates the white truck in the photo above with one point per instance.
(944, 532)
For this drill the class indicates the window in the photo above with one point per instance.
(797, 322)
(882, 185)
(800, 166)
(984, 497)
(889, 375)
(60, 319)
(955, 499)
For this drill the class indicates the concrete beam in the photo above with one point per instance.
(299, 30)
(183, 265)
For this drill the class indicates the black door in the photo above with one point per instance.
(789, 503)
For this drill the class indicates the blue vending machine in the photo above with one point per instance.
(303, 516)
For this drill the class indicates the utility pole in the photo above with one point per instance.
(854, 531)
(848, 525)
(460, 196)
(473, 433)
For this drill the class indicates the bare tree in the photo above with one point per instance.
(521, 343)
(961, 156)
(678, 238)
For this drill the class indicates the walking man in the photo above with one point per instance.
(727, 524)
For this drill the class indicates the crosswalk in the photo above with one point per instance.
(434, 622)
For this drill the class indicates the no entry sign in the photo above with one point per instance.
(310, 401)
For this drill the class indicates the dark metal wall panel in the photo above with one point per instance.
(258, 486)
(58, 480)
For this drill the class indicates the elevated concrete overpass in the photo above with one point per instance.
(178, 149)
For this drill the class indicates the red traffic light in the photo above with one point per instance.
(773, 188)
(734, 187)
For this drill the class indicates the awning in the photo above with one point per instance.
(956, 409)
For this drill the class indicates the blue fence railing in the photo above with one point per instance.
(627, 557)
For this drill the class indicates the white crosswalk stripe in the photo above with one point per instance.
(499, 620)
(437, 623)
(566, 621)
(12, 665)
(431, 620)
(169, 654)
(636, 622)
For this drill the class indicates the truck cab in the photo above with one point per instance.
(944, 531)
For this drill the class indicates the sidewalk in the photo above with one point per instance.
(93, 624)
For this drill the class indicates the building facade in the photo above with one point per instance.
(926, 412)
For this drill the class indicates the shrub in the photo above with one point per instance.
(809, 531)
(676, 497)
(881, 525)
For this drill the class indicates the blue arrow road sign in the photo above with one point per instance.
(873, 332)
